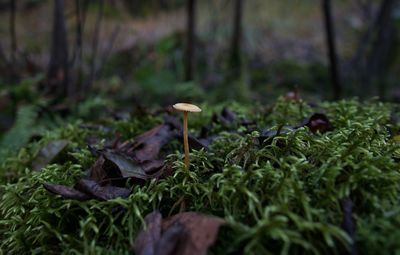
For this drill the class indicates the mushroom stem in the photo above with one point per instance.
(185, 138)
(186, 108)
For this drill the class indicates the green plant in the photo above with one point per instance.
(278, 195)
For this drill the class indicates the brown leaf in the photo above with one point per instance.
(153, 167)
(195, 143)
(228, 115)
(48, 153)
(97, 173)
(226, 118)
(101, 192)
(129, 168)
(148, 145)
(66, 192)
(318, 122)
(171, 239)
(202, 232)
(147, 238)
(186, 233)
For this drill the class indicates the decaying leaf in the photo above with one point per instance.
(147, 239)
(126, 166)
(148, 145)
(195, 143)
(202, 231)
(318, 122)
(101, 192)
(171, 239)
(66, 192)
(129, 168)
(226, 117)
(153, 168)
(97, 173)
(48, 153)
(187, 233)
(86, 189)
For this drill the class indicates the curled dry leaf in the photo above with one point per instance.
(87, 189)
(66, 192)
(148, 145)
(129, 168)
(101, 192)
(126, 166)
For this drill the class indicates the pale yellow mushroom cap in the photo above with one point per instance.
(184, 107)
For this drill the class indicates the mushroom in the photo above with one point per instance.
(186, 108)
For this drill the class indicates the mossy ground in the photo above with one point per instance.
(279, 197)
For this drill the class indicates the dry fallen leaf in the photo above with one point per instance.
(202, 231)
(101, 192)
(66, 192)
(147, 239)
(148, 145)
(187, 233)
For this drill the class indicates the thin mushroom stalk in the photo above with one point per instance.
(186, 139)
(186, 108)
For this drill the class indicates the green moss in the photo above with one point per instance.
(282, 196)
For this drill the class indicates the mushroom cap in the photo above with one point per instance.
(184, 107)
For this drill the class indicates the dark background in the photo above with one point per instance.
(122, 54)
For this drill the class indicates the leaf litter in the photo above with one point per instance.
(138, 159)
(187, 233)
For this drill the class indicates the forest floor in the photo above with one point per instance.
(290, 177)
(269, 173)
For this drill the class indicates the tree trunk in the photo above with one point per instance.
(380, 50)
(190, 40)
(237, 35)
(57, 74)
(76, 60)
(95, 45)
(331, 47)
(13, 34)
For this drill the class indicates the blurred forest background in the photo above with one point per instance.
(73, 56)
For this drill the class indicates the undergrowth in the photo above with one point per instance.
(279, 196)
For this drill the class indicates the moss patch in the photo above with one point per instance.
(279, 196)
